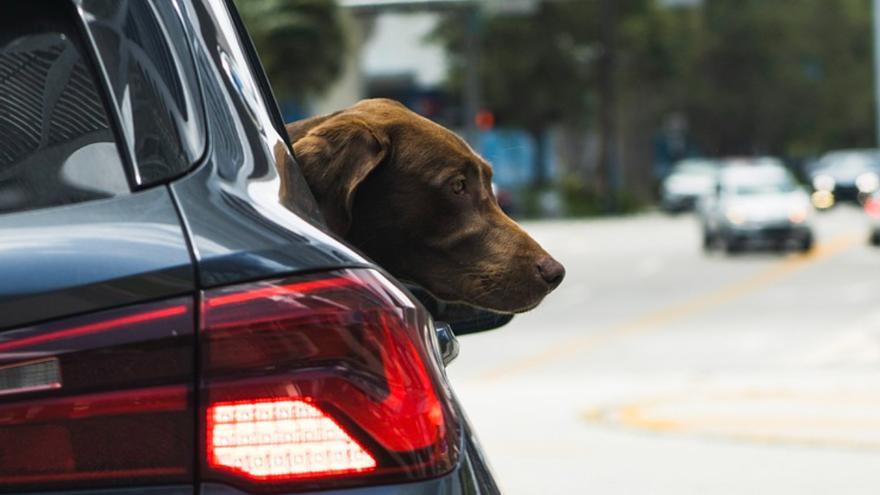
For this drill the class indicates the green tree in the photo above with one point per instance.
(531, 73)
(301, 43)
(540, 69)
(784, 77)
(787, 77)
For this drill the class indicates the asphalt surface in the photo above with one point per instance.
(658, 369)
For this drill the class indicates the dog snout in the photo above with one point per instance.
(552, 272)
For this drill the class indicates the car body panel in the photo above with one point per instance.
(158, 490)
(470, 477)
(89, 256)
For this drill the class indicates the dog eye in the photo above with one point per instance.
(458, 186)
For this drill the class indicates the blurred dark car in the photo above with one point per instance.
(166, 326)
(756, 203)
(847, 175)
(689, 180)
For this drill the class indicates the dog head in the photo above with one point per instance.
(417, 199)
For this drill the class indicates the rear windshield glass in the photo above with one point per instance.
(56, 142)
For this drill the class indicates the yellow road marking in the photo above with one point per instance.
(634, 415)
(776, 429)
(665, 316)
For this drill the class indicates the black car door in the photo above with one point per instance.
(96, 278)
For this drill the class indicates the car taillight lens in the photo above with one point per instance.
(872, 207)
(96, 400)
(321, 381)
(284, 439)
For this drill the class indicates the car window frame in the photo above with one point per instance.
(135, 179)
(256, 66)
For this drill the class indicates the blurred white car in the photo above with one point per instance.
(689, 180)
(756, 203)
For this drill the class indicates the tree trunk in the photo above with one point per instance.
(608, 174)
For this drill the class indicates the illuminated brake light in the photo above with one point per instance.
(280, 439)
(319, 381)
(872, 207)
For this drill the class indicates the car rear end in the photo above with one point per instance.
(872, 210)
(168, 326)
(847, 175)
(763, 206)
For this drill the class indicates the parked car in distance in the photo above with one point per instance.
(689, 180)
(756, 203)
(167, 326)
(845, 175)
(872, 209)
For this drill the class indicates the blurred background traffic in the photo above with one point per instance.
(708, 172)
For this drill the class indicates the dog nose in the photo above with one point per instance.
(551, 271)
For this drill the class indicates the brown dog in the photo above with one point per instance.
(415, 197)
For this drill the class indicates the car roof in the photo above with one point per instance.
(854, 158)
(767, 172)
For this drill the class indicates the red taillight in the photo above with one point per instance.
(103, 399)
(872, 206)
(281, 439)
(346, 356)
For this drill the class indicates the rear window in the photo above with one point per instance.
(56, 142)
(757, 188)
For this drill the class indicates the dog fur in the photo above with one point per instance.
(418, 200)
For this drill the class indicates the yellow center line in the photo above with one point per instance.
(662, 317)
(821, 431)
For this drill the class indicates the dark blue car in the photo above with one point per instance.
(166, 325)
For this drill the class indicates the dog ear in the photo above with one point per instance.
(336, 155)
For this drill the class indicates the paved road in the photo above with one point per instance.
(657, 369)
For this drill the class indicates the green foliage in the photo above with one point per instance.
(537, 69)
(580, 201)
(577, 200)
(301, 43)
(788, 77)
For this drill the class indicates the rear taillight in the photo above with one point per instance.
(872, 206)
(103, 399)
(318, 382)
(281, 439)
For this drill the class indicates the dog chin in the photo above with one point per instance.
(515, 309)
(504, 306)
(526, 302)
